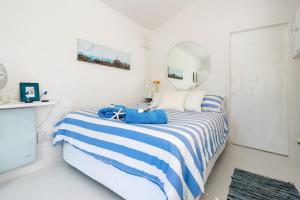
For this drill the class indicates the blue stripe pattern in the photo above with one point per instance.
(212, 103)
(173, 156)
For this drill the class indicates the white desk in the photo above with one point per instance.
(18, 137)
(25, 105)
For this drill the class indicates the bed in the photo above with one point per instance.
(170, 161)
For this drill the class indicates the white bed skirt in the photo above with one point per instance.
(126, 185)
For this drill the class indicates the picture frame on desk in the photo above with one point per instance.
(29, 92)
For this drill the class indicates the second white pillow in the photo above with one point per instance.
(173, 101)
(194, 100)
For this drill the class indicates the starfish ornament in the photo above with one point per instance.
(118, 114)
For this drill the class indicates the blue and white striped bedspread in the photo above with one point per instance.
(173, 156)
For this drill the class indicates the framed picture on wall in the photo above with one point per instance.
(95, 53)
(29, 92)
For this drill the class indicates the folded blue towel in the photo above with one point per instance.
(150, 117)
(108, 112)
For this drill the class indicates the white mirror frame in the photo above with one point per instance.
(3, 76)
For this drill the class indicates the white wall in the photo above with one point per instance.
(38, 43)
(209, 22)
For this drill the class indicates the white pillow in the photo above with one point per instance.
(193, 100)
(155, 100)
(173, 101)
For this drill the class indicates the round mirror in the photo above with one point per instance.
(187, 65)
(3, 76)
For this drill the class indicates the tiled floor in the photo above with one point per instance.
(63, 182)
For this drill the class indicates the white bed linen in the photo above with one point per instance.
(180, 150)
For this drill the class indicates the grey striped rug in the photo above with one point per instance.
(249, 186)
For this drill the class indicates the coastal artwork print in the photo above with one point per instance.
(175, 73)
(98, 54)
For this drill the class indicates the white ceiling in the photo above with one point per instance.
(149, 13)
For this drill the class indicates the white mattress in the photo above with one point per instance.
(126, 185)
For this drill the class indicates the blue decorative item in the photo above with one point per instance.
(135, 116)
(110, 111)
(29, 92)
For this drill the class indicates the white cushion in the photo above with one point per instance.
(173, 101)
(193, 100)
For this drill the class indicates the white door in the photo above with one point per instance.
(258, 88)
